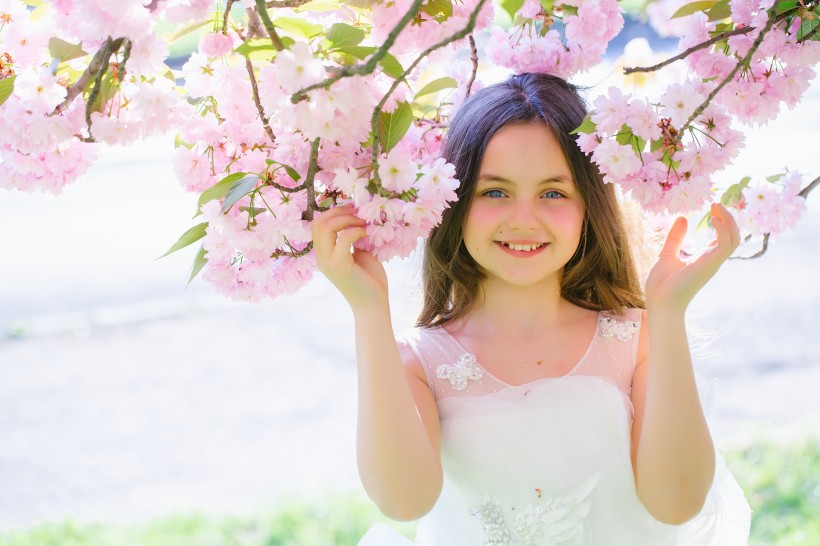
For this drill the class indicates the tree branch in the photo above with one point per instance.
(804, 193)
(707, 43)
(313, 168)
(376, 111)
(225, 15)
(93, 67)
(257, 102)
(263, 14)
(474, 58)
(370, 65)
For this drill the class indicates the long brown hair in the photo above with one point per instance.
(601, 275)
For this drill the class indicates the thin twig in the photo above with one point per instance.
(225, 15)
(368, 66)
(254, 24)
(287, 3)
(474, 58)
(313, 168)
(263, 14)
(89, 106)
(258, 102)
(707, 43)
(374, 155)
(126, 54)
(293, 254)
(743, 62)
(804, 193)
(92, 68)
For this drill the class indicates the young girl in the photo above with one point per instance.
(544, 398)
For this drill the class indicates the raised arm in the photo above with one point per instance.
(672, 450)
(398, 425)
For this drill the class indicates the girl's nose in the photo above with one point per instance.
(523, 217)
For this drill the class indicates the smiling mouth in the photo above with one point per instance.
(525, 248)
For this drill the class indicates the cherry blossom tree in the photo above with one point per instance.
(290, 107)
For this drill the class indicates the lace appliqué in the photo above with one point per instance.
(466, 369)
(556, 521)
(623, 330)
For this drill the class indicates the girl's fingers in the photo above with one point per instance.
(674, 239)
(347, 237)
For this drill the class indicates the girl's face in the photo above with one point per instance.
(526, 217)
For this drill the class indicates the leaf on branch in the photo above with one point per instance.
(806, 27)
(218, 190)
(440, 10)
(391, 66)
(786, 5)
(689, 9)
(393, 126)
(624, 135)
(261, 48)
(60, 49)
(512, 6)
(186, 30)
(290, 170)
(342, 35)
(238, 190)
(6, 88)
(587, 126)
(775, 177)
(437, 85)
(719, 11)
(296, 26)
(360, 52)
(199, 262)
(253, 211)
(548, 5)
(191, 236)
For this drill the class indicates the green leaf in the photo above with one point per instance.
(440, 10)
(342, 35)
(548, 5)
(806, 27)
(296, 26)
(705, 222)
(638, 144)
(655, 144)
(394, 125)
(186, 30)
(258, 48)
(238, 190)
(191, 236)
(774, 177)
(787, 5)
(60, 49)
(199, 262)
(391, 66)
(256, 211)
(512, 6)
(624, 135)
(733, 193)
(587, 126)
(218, 190)
(6, 88)
(437, 85)
(290, 170)
(360, 52)
(719, 11)
(692, 7)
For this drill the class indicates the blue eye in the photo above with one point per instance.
(493, 193)
(557, 193)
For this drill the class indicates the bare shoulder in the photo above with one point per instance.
(410, 360)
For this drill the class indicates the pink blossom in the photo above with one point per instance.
(771, 207)
(679, 102)
(39, 89)
(611, 111)
(215, 44)
(643, 120)
(587, 142)
(617, 161)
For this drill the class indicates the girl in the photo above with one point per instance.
(544, 397)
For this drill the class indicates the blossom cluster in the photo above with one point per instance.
(666, 150)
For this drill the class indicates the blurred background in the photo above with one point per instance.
(126, 395)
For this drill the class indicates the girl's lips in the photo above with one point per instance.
(521, 253)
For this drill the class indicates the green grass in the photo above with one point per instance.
(782, 483)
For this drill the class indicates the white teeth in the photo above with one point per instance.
(525, 248)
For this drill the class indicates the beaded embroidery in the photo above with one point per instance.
(555, 521)
(623, 330)
(466, 369)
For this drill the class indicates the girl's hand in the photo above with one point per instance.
(673, 283)
(359, 276)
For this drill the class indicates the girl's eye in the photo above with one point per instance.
(493, 193)
(556, 193)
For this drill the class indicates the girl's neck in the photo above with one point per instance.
(516, 312)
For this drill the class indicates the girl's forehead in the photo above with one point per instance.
(524, 152)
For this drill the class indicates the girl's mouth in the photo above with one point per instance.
(522, 249)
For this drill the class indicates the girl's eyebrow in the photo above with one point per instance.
(560, 178)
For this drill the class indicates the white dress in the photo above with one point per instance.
(548, 462)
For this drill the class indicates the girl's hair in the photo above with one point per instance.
(601, 275)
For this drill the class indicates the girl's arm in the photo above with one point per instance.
(672, 450)
(398, 424)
